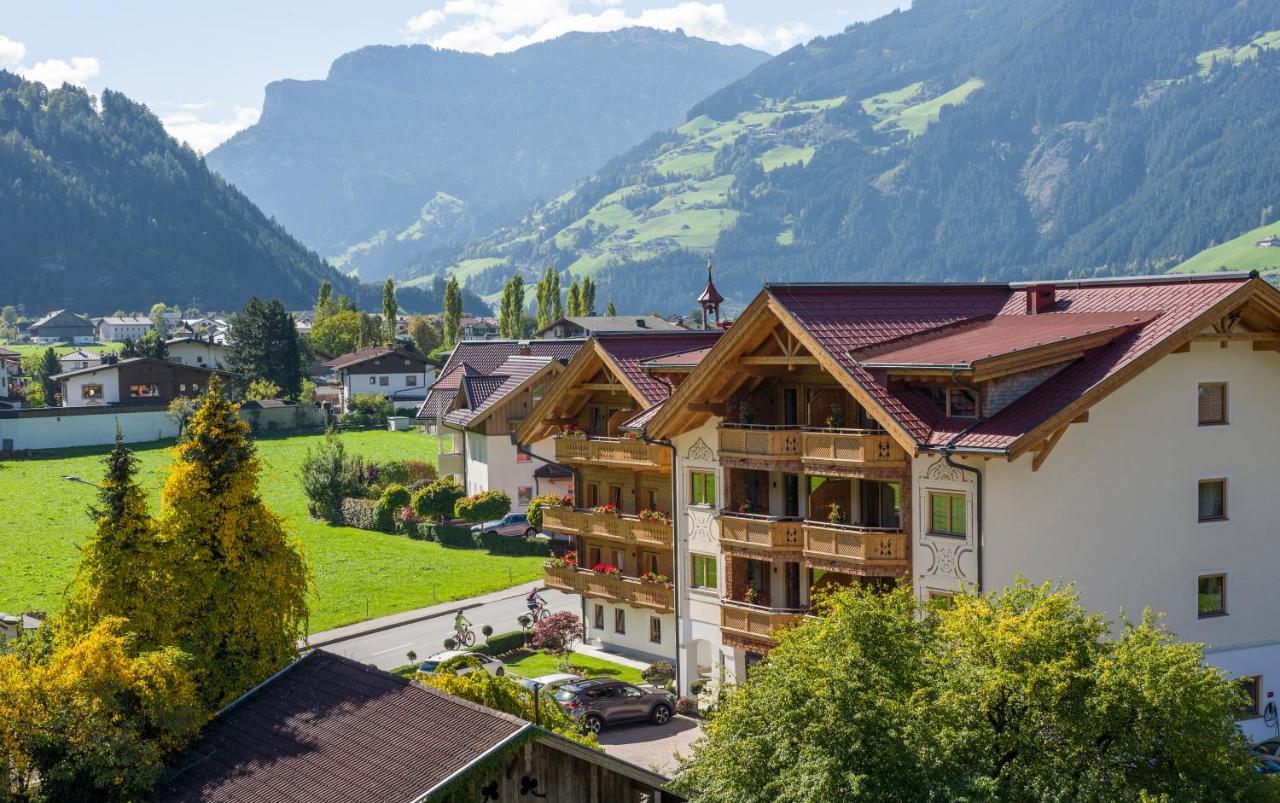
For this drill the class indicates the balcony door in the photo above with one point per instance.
(793, 584)
(790, 406)
(791, 495)
(881, 503)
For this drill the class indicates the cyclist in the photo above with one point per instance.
(535, 603)
(460, 625)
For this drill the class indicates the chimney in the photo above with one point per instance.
(1041, 298)
(641, 323)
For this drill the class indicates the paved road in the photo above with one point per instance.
(653, 747)
(387, 649)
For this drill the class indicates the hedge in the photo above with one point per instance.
(502, 643)
(538, 546)
(359, 513)
(456, 537)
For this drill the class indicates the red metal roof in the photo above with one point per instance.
(1005, 335)
(373, 353)
(629, 352)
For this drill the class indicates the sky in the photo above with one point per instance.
(202, 67)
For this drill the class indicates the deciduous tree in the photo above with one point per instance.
(484, 506)
(452, 311)
(151, 345)
(511, 313)
(587, 297)
(390, 310)
(158, 322)
(557, 632)
(338, 333)
(505, 694)
(573, 301)
(426, 335)
(326, 305)
(437, 500)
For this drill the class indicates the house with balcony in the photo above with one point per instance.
(623, 493)
(401, 376)
(1114, 433)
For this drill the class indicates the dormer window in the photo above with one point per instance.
(962, 403)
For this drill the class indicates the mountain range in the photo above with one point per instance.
(958, 140)
(402, 150)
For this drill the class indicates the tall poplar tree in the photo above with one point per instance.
(390, 310)
(326, 305)
(548, 299)
(235, 594)
(452, 311)
(511, 312)
(587, 297)
(611, 311)
(574, 300)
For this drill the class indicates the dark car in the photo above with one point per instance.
(598, 702)
(1269, 748)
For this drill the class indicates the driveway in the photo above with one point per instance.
(652, 746)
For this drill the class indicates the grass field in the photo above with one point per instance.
(1238, 55)
(528, 664)
(357, 574)
(60, 348)
(784, 155)
(916, 118)
(1237, 254)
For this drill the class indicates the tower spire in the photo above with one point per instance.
(710, 300)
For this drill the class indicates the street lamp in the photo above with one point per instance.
(81, 480)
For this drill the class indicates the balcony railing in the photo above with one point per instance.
(852, 447)
(612, 588)
(854, 544)
(601, 525)
(760, 442)
(762, 533)
(755, 622)
(616, 452)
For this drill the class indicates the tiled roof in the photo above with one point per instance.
(127, 320)
(331, 730)
(133, 360)
(682, 359)
(552, 471)
(628, 352)
(847, 320)
(638, 422)
(372, 353)
(80, 355)
(511, 376)
(484, 357)
(602, 324)
(56, 313)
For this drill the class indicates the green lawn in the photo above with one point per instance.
(60, 348)
(1235, 254)
(783, 155)
(916, 118)
(357, 574)
(535, 664)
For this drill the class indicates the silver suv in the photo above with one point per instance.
(598, 702)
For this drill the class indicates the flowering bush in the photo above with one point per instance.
(570, 559)
(572, 431)
(566, 500)
(687, 707)
(835, 514)
(631, 436)
(557, 633)
(606, 510)
(606, 568)
(360, 513)
(653, 578)
(658, 672)
(654, 515)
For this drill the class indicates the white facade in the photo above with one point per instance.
(51, 431)
(404, 389)
(198, 353)
(492, 462)
(639, 626)
(93, 388)
(117, 329)
(1114, 509)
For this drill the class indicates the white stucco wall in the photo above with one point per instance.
(209, 355)
(636, 639)
(106, 377)
(1113, 508)
(411, 396)
(56, 432)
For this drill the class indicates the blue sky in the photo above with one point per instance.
(202, 67)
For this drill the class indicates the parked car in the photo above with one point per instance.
(491, 665)
(549, 683)
(1268, 747)
(598, 702)
(1266, 765)
(511, 524)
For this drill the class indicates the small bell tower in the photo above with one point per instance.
(710, 301)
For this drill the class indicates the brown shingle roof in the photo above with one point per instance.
(331, 730)
(373, 353)
(629, 352)
(484, 357)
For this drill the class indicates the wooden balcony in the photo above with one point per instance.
(852, 447)
(866, 551)
(618, 528)
(746, 625)
(614, 453)
(612, 588)
(761, 533)
(760, 443)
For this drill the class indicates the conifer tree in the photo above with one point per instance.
(452, 311)
(263, 343)
(49, 368)
(611, 311)
(235, 593)
(118, 565)
(390, 309)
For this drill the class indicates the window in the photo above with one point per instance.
(1213, 403)
(143, 391)
(373, 380)
(651, 496)
(594, 556)
(524, 494)
(384, 381)
(939, 600)
(655, 630)
(1212, 504)
(962, 403)
(1251, 685)
(703, 574)
(411, 380)
(195, 388)
(597, 617)
(593, 494)
(651, 562)
(702, 488)
(620, 621)
(615, 496)
(947, 514)
(1212, 595)
(620, 559)
(522, 457)
(91, 391)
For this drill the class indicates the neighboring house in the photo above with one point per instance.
(195, 350)
(117, 329)
(402, 376)
(10, 366)
(1270, 241)
(75, 360)
(330, 728)
(623, 495)
(483, 414)
(1116, 433)
(592, 325)
(470, 328)
(61, 326)
(15, 625)
(476, 358)
(134, 380)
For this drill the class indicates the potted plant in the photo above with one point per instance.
(835, 515)
(745, 507)
(631, 436)
(607, 568)
(751, 595)
(572, 431)
(654, 515)
(568, 560)
(566, 500)
(608, 509)
(835, 418)
(653, 578)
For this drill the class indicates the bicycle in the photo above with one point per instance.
(539, 612)
(463, 636)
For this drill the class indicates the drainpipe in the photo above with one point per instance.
(947, 451)
(675, 557)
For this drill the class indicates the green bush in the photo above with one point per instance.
(659, 672)
(330, 475)
(454, 537)
(360, 513)
(437, 500)
(392, 499)
(502, 643)
(534, 512)
(539, 545)
(484, 506)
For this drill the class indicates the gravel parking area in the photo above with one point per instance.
(652, 746)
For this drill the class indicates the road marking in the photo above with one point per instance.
(392, 649)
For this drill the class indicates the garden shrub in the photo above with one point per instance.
(484, 506)
(534, 512)
(437, 500)
(557, 632)
(537, 546)
(454, 537)
(393, 498)
(502, 643)
(420, 471)
(330, 475)
(687, 707)
(659, 672)
(360, 513)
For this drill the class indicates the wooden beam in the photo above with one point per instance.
(1083, 418)
(1242, 337)
(611, 387)
(783, 360)
(1048, 447)
(555, 422)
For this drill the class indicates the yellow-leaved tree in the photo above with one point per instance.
(93, 720)
(236, 585)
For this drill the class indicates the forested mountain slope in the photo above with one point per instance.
(100, 210)
(404, 149)
(959, 140)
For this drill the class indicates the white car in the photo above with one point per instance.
(549, 683)
(491, 665)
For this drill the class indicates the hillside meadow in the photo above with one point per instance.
(357, 574)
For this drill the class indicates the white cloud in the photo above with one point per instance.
(205, 135)
(11, 53)
(53, 73)
(494, 26)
